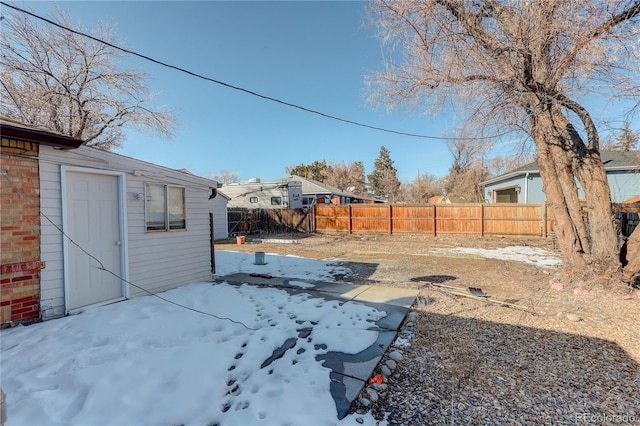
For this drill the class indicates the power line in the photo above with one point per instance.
(241, 89)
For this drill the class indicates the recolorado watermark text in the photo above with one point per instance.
(605, 418)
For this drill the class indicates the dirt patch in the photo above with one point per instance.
(554, 357)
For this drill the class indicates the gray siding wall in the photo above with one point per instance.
(624, 185)
(218, 207)
(530, 188)
(157, 261)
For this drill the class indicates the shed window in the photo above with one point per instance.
(165, 207)
(276, 201)
(253, 199)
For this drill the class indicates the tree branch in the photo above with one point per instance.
(607, 26)
(593, 140)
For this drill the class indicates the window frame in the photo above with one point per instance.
(169, 225)
(279, 203)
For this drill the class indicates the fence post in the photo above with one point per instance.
(544, 219)
(390, 219)
(435, 221)
(482, 220)
(350, 218)
(313, 218)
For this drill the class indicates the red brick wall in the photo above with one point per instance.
(19, 231)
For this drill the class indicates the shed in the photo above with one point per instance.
(132, 228)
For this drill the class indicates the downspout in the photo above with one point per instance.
(526, 187)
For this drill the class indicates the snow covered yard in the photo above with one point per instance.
(149, 362)
(532, 255)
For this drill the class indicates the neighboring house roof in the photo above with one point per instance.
(313, 187)
(309, 187)
(443, 199)
(612, 160)
(234, 190)
(13, 129)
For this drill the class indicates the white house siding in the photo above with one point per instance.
(218, 207)
(156, 261)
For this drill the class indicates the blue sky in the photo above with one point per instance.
(314, 54)
(311, 53)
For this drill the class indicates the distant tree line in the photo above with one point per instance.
(467, 170)
(469, 167)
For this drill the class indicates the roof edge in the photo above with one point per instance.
(41, 137)
(507, 176)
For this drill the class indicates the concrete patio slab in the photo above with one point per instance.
(349, 372)
(396, 296)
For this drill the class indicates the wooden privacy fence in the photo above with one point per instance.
(627, 217)
(509, 220)
(268, 221)
(435, 219)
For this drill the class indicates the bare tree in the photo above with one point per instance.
(226, 177)
(346, 177)
(499, 164)
(467, 170)
(466, 154)
(419, 190)
(463, 185)
(74, 85)
(524, 66)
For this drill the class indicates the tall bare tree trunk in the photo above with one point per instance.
(587, 237)
(564, 207)
(603, 236)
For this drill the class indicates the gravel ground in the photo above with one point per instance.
(473, 363)
(554, 358)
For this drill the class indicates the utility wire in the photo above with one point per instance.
(241, 89)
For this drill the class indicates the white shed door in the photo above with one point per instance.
(93, 222)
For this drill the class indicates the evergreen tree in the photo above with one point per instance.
(628, 139)
(315, 170)
(384, 180)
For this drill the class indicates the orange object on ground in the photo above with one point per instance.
(377, 379)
